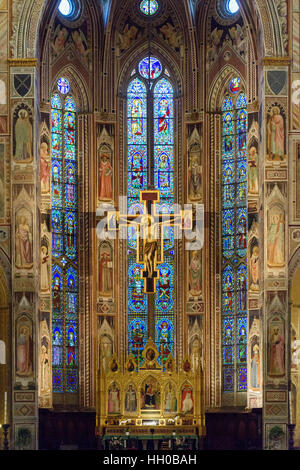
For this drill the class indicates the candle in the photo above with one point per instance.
(5, 408)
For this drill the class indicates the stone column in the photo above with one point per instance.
(274, 119)
(25, 252)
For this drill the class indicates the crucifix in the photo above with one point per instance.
(150, 241)
(150, 234)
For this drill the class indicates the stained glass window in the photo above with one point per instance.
(149, 7)
(64, 211)
(63, 85)
(65, 7)
(234, 240)
(150, 67)
(232, 6)
(150, 139)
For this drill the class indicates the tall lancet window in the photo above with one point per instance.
(234, 240)
(64, 209)
(150, 165)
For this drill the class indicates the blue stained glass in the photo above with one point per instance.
(227, 104)
(63, 85)
(149, 7)
(72, 381)
(228, 123)
(234, 238)
(70, 235)
(164, 299)
(241, 101)
(65, 7)
(138, 178)
(56, 101)
(137, 167)
(164, 338)
(56, 143)
(242, 379)
(137, 336)
(228, 330)
(72, 280)
(235, 85)
(58, 383)
(150, 67)
(64, 243)
(228, 379)
(57, 343)
(229, 196)
(56, 121)
(137, 297)
(163, 178)
(242, 330)
(228, 146)
(228, 355)
(72, 350)
(228, 172)
(228, 222)
(57, 290)
(242, 171)
(70, 104)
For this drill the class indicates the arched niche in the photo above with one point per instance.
(295, 353)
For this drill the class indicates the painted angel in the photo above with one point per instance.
(129, 35)
(215, 39)
(60, 38)
(169, 34)
(80, 42)
(238, 39)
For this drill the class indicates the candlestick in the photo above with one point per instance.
(5, 407)
(5, 440)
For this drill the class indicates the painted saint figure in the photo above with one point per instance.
(255, 367)
(71, 349)
(276, 241)
(44, 168)
(170, 400)
(195, 274)
(23, 137)
(253, 171)
(57, 348)
(105, 271)
(113, 399)
(44, 275)
(24, 257)
(276, 135)
(24, 352)
(164, 114)
(130, 400)
(254, 269)
(105, 178)
(136, 117)
(277, 353)
(44, 371)
(195, 178)
(137, 174)
(187, 400)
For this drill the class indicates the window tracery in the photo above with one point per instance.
(64, 212)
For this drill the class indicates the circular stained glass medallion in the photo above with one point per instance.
(235, 85)
(149, 7)
(63, 85)
(150, 67)
(232, 7)
(65, 7)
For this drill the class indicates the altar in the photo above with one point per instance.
(148, 400)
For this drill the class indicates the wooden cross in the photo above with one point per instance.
(150, 237)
